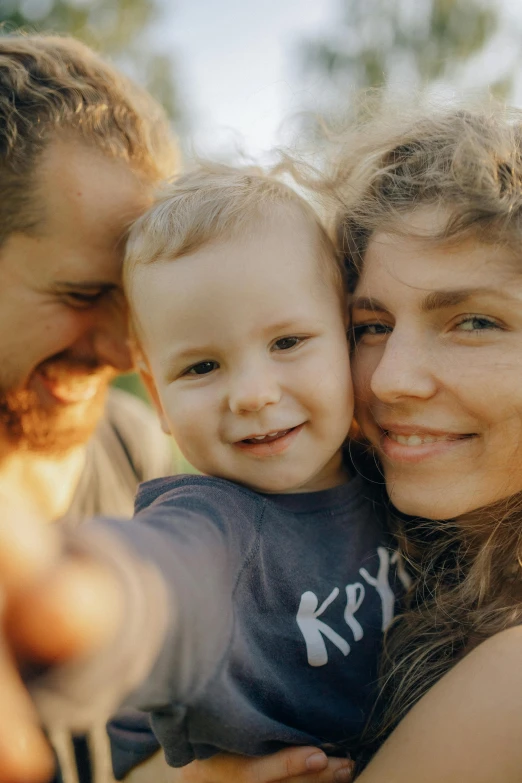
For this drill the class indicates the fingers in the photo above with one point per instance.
(298, 765)
(73, 611)
(292, 765)
(24, 753)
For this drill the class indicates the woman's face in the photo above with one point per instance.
(437, 370)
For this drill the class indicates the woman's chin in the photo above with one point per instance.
(428, 505)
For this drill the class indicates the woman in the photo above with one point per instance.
(431, 227)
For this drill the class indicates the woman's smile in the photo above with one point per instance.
(437, 371)
(411, 444)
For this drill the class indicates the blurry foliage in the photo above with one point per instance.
(114, 27)
(413, 43)
(130, 382)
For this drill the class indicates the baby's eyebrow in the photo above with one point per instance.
(187, 355)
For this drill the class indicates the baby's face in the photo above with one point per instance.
(246, 341)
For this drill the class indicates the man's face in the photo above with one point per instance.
(62, 314)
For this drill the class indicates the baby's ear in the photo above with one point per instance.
(148, 382)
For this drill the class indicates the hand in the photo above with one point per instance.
(41, 590)
(292, 765)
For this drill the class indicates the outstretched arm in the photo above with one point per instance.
(50, 612)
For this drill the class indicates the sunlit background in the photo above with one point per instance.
(235, 75)
(238, 77)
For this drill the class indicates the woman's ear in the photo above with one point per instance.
(148, 382)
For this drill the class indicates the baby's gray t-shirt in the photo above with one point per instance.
(281, 602)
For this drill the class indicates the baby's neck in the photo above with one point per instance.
(333, 474)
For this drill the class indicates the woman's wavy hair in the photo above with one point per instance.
(466, 161)
(52, 86)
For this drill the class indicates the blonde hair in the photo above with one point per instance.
(215, 202)
(466, 161)
(51, 85)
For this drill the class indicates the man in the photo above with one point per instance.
(80, 150)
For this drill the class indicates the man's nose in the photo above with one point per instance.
(109, 339)
(114, 350)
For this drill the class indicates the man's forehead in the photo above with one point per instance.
(83, 191)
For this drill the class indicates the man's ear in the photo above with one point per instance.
(148, 382)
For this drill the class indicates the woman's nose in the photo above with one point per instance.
(404, 370)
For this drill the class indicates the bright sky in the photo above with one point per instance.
(238, 66)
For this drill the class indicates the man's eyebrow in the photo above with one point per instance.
(84, 285)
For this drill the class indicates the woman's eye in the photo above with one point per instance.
(286, 343)
(372, 330)
(476, 323)
(202, 368)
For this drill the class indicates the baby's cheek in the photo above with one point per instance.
(187, 422)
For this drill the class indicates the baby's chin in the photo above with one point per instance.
(276, 485)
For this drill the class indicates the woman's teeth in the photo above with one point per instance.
(418, 440)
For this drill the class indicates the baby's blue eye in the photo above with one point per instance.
(202, 368)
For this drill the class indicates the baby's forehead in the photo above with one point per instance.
(284, 249)
(286, 223)
(278, 264)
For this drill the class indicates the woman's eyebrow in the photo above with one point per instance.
(438, 300)
(435, 300)
(367, 303)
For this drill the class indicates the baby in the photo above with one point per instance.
(258, 592)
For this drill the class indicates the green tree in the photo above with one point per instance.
(378, 43)
(118, 28)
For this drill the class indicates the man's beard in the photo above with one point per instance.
(27, 424)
